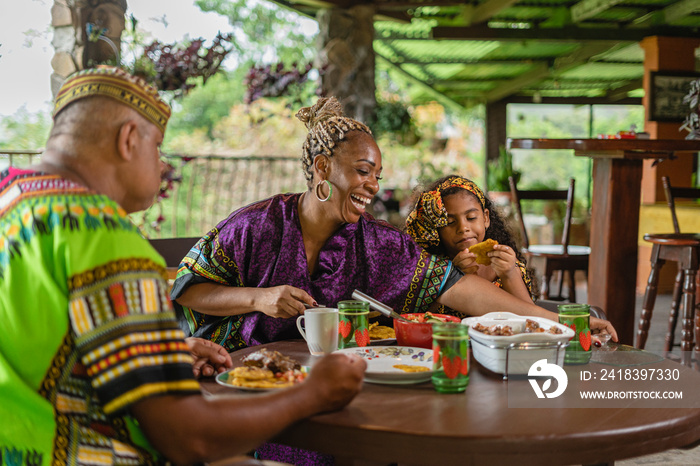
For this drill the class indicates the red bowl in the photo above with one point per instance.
(415, 333)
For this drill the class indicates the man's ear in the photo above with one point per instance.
(127, 140)
(322, 165)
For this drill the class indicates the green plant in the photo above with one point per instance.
(394, 118)
(499, 170)
(692, 120)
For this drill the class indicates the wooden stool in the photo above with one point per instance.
(685, 250)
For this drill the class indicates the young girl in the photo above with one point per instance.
(453, 214)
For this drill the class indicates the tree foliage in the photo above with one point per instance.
(265, 31)
(24, 130)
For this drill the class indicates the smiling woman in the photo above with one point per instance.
(244, 282)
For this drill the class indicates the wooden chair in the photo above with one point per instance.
(173, 250)
(548, 258)
(684, 249)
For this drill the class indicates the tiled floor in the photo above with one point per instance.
(655, 343)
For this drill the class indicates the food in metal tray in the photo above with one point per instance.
(506, 330)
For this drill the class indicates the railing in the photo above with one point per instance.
(205, 190)
(211, 187)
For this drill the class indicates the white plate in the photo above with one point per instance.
(222, 379)
(381, 362)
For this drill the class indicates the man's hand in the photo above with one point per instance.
(283, 301)
(336, 378)
(209, 358)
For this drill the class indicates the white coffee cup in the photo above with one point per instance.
(321, 333)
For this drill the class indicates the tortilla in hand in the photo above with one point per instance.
(482, 249)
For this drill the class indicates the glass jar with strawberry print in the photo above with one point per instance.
(577, 318)
(450, 357)
(353, 325)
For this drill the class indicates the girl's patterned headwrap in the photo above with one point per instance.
(429, 214)
(115, 83)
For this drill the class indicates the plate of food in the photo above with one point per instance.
(381, 335)
(264, 370)
(395, 365)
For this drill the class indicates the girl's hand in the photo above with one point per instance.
(603, 326)
(466, 262)
(502, 260)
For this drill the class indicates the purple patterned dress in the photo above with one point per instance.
(261, 245)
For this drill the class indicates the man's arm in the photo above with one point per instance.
(191, 429)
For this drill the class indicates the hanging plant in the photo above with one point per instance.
(692, 120)
(277, 81)
(174, 67)
(394, 118)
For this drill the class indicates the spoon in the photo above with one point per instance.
(378, 306)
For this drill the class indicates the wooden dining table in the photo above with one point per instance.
(617, 181)
(415, 425)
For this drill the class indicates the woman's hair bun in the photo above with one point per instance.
(323, 110)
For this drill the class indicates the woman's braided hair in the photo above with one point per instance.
(327, 126)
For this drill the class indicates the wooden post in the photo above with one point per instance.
(345, 45)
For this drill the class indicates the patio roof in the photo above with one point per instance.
(482, 51)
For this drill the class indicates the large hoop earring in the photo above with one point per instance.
(317, 189)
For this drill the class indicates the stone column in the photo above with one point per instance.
(345, 46)
(63, 62)
(74, 50)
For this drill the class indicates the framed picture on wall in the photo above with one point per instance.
(666, 97)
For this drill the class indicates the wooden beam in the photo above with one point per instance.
(448, 101)
(537, 73)
(589, 8)
(488, 9)
(622, 91)
(668, 15)
(570, 34)
(681, 9)
(466, 62)
(520, 99)
(581, 56)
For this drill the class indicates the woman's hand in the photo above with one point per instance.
(604, 326)
(209, 358)
(503, 260)
(283, 301)
(466, 262)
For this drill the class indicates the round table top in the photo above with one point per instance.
(413, 424)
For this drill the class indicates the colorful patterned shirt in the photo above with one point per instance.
(88, 329)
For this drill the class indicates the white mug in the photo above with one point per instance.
(321, 333)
